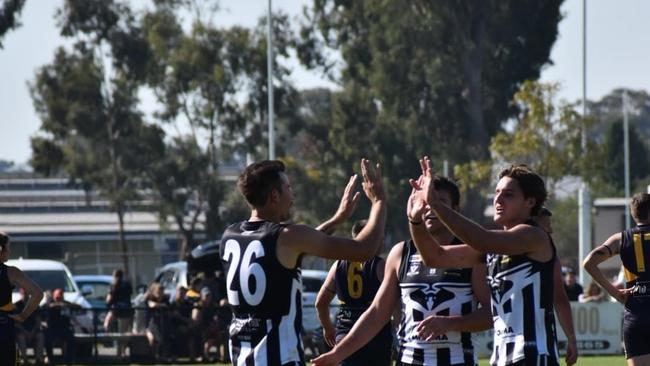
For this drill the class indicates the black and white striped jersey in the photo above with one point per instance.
(522, 309)
(429, 291)
(266, 297)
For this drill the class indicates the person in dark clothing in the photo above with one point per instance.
(10, 277)
(571, 286)
(30, 332)
(59, 317)
(118, 301)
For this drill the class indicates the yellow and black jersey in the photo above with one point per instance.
(635, 255)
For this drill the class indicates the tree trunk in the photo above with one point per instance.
(122, 238)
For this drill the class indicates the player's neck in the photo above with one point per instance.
(260, 214)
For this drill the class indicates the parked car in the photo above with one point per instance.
(94, 288)
(50, 275)
(172, 275)
(312, 280)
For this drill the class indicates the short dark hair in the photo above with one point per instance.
(4, 240)
(258, 180)
(640, 206)
(358, 226)
(448, 185)
(531, 184)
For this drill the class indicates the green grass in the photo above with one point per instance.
(582, 361)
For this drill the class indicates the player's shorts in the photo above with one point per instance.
(7, 340)
(542, 360)
(376, 352)
(636, 334)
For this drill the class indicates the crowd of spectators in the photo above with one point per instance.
(192, 325)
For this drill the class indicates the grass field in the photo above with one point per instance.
(582, 361)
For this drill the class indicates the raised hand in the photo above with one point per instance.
(373, 185)
(427, 183)
(416, 206)
(348, 200)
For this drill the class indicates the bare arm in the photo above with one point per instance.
(563, 311)
(373, 319)
(522, 239)
(323, 301)
(298, 239)
(346, 207)
(609, 248)
(32, 290)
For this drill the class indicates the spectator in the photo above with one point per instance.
(593, 293)
(59, 317)
(204, 317)
(30, 332)
(118, 301)
(156, 319)
(181, 322)
(573, 289)
(140, 303)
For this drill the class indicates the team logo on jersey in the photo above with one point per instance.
(428, 297)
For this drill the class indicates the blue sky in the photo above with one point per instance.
(618, 56)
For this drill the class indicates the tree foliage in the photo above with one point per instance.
(9, 12)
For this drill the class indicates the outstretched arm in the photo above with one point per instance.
(346, 207)
(300, 239)
(323, 301)
(609, 248)
(433, 254)
(373, 319)
(563, 311)
(522, 239)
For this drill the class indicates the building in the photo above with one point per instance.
(49, 218)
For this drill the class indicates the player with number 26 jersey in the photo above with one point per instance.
(265, 296)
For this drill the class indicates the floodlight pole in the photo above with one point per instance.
(269, 63)
(626, 158)
(583, 135)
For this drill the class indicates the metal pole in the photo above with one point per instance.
(584, 229)
(445, 168)
(583, 135)
(626, 158)
(269, 62)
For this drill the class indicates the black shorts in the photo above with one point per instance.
(376, 352)
(636, 334)
(7, 340)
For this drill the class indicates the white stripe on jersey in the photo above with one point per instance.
(245, 350)
(509, 325)
(290, 342)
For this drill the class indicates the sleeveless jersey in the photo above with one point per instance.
(5, 290)
(356, 286)
(266, 297)
(522, 308)
(635, 255)
(429, 291)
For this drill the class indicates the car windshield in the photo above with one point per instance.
(98, 290)
(51, 280)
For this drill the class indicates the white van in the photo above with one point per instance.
(50, 275)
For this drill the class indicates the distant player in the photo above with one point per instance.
(438, 306)
(520, 260)
(355, 284)
(9, 277)
(633, 245)
(262, 257)
(560, 299)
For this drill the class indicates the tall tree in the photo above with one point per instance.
(9, 12)
(425, 77)
(87, 100)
